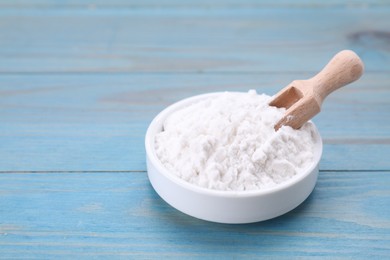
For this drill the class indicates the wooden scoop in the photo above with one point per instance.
(303, 98)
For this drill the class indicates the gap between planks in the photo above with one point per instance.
(192, 72)
(144, 171)
(73, 171)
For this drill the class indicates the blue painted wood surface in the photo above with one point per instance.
(81, 80)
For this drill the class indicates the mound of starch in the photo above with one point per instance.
(228, 142)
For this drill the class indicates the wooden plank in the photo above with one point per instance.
(134, 98)
(98, 122)
(119, 214)
(190, 40)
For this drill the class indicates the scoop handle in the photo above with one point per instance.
(345, 67)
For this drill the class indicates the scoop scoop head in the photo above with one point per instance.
(303, 98)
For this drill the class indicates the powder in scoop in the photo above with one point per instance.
(228, 142)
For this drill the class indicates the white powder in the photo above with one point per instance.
(228, 142)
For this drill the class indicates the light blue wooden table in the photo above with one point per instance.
(81, 80)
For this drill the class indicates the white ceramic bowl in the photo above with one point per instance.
(225, 206)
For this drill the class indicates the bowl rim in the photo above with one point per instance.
(152, 156)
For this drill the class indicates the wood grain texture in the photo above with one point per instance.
(189, 39)
(81, 80)
(106, 214)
